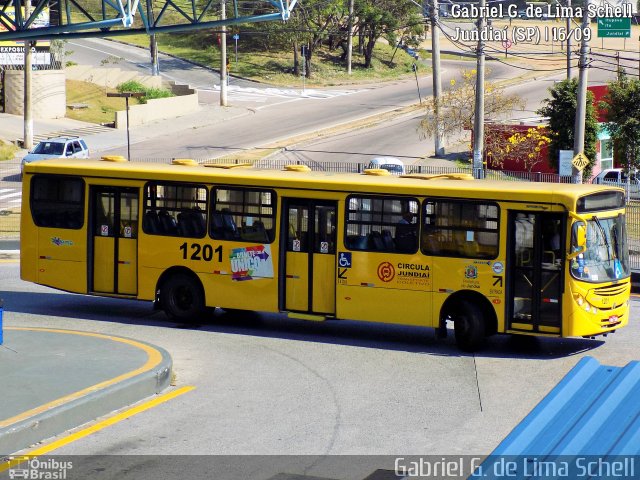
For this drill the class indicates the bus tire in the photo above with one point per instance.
(182, 298)
(469, 326)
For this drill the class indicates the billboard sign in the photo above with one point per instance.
(12, 51)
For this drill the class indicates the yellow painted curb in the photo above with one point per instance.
(154, 357)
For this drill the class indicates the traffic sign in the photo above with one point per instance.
(619, 27)
(580, 161)
(507, 43)
(236, 37)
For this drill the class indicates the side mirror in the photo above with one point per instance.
(581, 234)
(578, 239)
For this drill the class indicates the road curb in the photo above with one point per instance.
(74, 413)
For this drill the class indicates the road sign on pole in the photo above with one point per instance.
(236, 37)
(580, 161)
(617, 27)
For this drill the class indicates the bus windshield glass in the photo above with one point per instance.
(607, 255)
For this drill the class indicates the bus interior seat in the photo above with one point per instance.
(191, 224)
(167, 223)
(217, 225)
(376, 242)
(255, 232)
(229, 225)
(356, 242)
(387, 239)
(406, 237)
(185, 225)
(150, 222)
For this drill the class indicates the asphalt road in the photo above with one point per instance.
(292, 115)
(266, 385)
(280, 113)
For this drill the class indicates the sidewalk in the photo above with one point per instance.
(55, 380)
(101, 138)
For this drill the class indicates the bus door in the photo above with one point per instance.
(535, 280)
(114, 233)
(309, 253)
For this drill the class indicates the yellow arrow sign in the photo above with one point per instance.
(580, 161)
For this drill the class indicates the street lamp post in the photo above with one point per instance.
(126, 96)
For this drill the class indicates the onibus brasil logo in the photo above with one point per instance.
(38, 469)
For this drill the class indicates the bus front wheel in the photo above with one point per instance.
(182, 298)
(469, 326)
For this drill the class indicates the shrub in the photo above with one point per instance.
(149, 93)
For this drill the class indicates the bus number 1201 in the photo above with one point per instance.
(201, 252)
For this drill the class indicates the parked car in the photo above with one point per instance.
(618, 178)
(58, 147)
(392, 164)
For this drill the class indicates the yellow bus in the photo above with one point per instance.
(490, 257)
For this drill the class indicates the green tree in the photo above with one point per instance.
(378, 18)
(457, 107)
(622, 113)
(561, 111)
(318, 18)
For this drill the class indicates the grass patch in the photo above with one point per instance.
(101, 109)
(10, 223)
(7, 150)
(277, 67)
(149, 92)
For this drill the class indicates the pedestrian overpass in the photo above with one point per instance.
(52, 19)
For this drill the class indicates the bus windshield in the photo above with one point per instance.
(607, 254)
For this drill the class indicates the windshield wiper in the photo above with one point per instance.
(604, 236)
(616, 243)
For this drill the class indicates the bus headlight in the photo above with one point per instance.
(579, 299)
(587, 307)
(595, 310)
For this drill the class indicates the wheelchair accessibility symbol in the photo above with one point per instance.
(344, 260)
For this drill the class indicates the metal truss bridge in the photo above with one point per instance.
(51, 19)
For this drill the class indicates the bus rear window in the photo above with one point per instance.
(57, 202)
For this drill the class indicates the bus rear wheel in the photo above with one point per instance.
(469, 326)
(182, 298)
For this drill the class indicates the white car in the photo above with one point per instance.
(58, 147)
(392, 164)
(617, 177)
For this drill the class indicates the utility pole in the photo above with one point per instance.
(478, 123)
(223, 57)
(153, 45)
(437, 83)
(350, 39)
(568, 26)
(581, 106)
(27, 114)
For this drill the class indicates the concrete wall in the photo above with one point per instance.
(110, 77)
(48, 93)
(157, 109)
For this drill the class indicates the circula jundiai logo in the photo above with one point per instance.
(386, 272)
